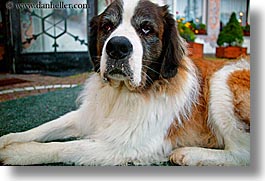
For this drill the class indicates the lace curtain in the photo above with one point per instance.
(237, 6)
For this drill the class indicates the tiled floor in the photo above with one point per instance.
(37, 84)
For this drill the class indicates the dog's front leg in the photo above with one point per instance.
(63, 127)
(80, 152)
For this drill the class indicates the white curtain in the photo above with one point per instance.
(190, 9)
(237, 6)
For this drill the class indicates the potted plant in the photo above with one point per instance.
(230, 40)
(198, 28)
(2, 46)
(201, 29)
(185, 30)
(246, 30)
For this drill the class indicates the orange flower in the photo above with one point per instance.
(187, 24)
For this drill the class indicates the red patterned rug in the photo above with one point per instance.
(11, 81)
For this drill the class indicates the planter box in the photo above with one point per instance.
(230, 52)
(200, 32)
(2, 52)
(195, 50)
(246, 33)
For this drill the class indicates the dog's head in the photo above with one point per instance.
(135, 42)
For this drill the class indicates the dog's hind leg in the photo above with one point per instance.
(229, 118)
(236, 153)
(236, 149)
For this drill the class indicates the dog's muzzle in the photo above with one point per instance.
(119, 50)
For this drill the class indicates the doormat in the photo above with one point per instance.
(11, 81)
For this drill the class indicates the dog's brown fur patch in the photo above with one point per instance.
(239, 84)
(195, 131)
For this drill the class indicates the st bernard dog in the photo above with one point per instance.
(147, 102)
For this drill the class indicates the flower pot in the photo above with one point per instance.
(195, 50)
(246, 33)
(200, 32)
(2, 52)
(230, 52)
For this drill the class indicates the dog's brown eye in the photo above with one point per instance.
(146, 29)
(107, 27)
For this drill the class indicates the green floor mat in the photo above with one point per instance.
(26, 113)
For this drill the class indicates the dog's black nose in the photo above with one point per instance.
(118, 47)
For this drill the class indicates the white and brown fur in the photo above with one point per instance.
(167, 107)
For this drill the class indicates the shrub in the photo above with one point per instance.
(232, 33)
(185, 31)
(202, 26)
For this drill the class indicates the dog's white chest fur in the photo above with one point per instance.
(131, 122)
(128, 120)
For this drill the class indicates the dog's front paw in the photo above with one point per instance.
(29, 153)
(20, 154)
(6, 140)
(9, 154)
(187, 156)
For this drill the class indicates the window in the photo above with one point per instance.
(102, 4)
(240, 7)
(54, 30)
(191, 10)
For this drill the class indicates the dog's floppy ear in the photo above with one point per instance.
(93, 37)
(174, 47)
